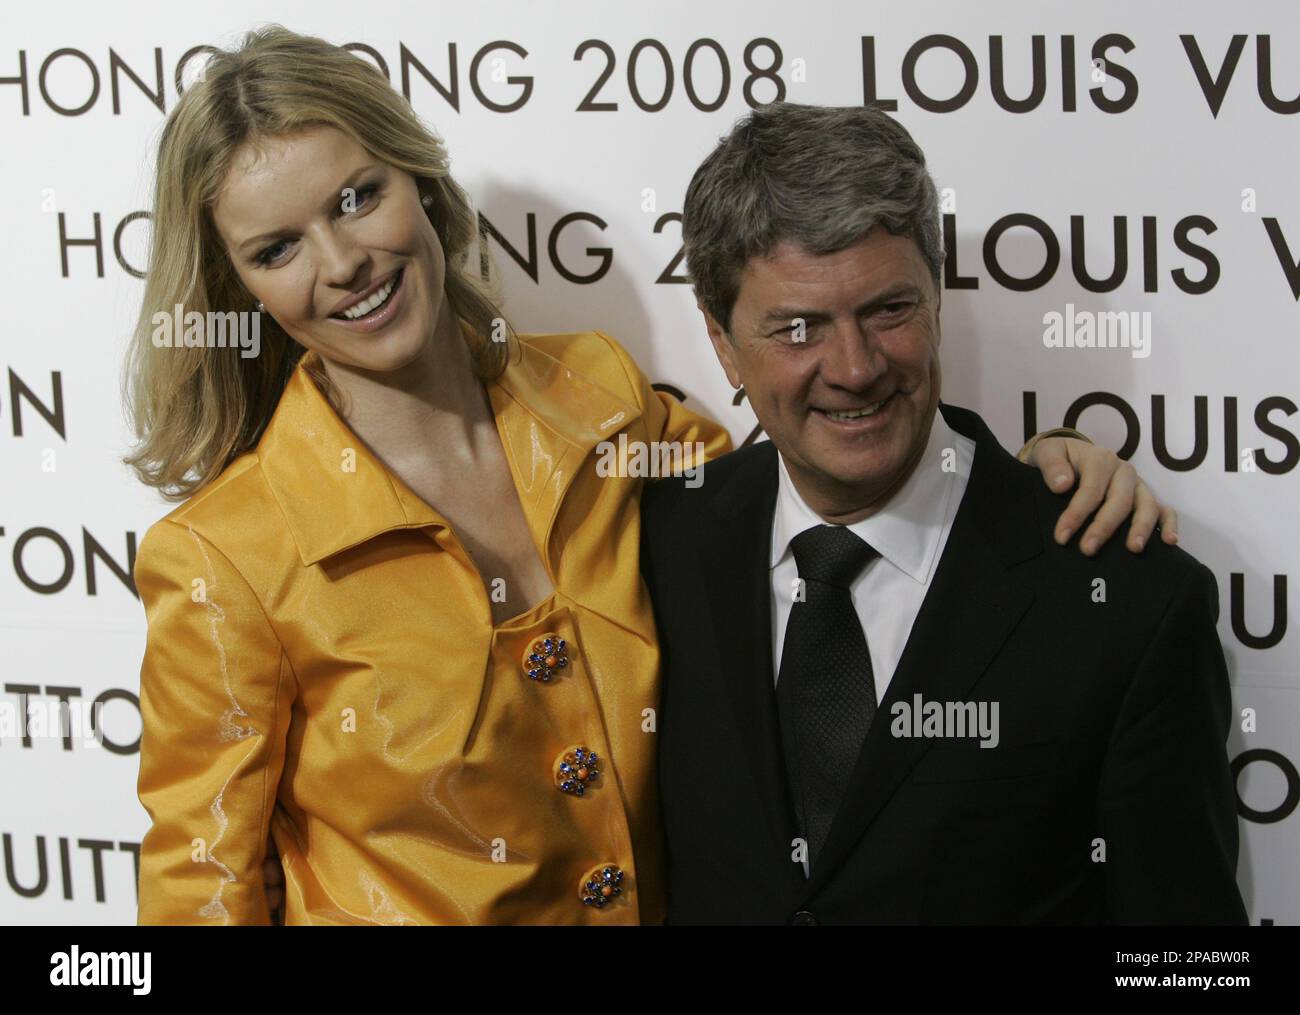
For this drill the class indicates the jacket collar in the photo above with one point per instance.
(335, 493)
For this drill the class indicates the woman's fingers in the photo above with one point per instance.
(1146, 513)
(1119, 502)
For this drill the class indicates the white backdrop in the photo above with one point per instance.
(1199, 168)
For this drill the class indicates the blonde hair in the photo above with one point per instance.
(197, 411)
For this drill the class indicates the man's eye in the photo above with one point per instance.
(897, 307)
(267, 256)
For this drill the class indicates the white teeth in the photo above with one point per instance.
(858, 413)
(369, 305)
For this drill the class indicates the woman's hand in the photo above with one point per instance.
(1106, 481)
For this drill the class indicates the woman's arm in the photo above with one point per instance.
(216, 694)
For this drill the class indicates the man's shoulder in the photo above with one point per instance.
(1145, 583)
(1142, 585)
(747, 465)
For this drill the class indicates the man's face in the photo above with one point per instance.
(870, 342)
(312, 221)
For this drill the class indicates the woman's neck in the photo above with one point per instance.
(434, 408)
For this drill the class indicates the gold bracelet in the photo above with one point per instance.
(1060, 431)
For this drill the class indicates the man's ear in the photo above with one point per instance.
(723, 347)
(938, 314)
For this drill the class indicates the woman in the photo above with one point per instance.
(397, 627)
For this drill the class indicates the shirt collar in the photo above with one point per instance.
(335, 493)
(908, 529)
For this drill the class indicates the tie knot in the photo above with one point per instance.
(831, 554)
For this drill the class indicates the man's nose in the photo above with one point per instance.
(851, 358)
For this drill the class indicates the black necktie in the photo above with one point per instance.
(826, 693)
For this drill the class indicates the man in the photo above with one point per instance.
(890, 695)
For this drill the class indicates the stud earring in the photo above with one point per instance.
(260, 306)
(427, 201)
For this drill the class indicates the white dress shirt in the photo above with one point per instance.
(909, 532)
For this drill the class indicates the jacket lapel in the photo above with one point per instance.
(973, 605)
(736, 540)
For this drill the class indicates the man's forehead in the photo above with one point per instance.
(872, 262)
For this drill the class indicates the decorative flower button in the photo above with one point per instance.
(576, 770)
(602, 886)
(546, 658)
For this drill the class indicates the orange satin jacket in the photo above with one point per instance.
(321, 668)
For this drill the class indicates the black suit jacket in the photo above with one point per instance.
(1113, 719)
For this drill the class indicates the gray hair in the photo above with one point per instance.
(822, 176)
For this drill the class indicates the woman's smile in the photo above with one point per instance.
(377, 307)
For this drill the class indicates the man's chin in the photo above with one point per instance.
(856, 475)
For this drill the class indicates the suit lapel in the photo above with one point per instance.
(735, 550)
(973, 605)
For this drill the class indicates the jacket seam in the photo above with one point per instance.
(240, 575)
(263, 820)
(284, 655)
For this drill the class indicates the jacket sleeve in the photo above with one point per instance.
(667, 419)
(1167, 799)
(216, 695)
